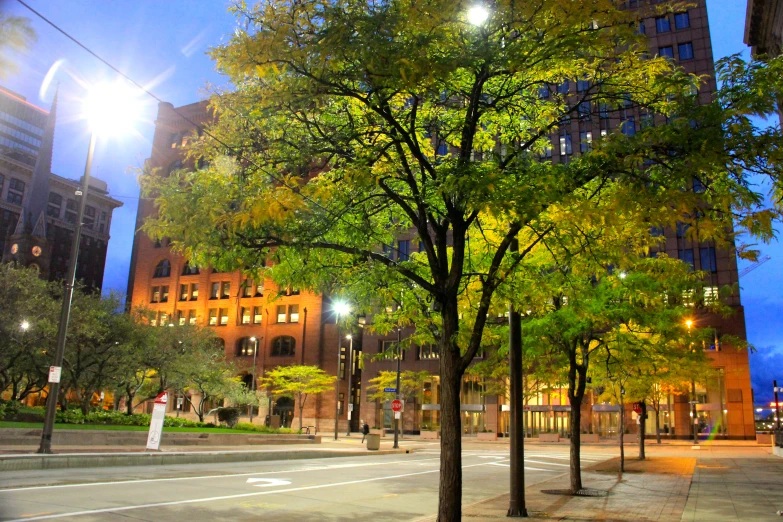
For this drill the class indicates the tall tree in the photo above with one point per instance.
(298, 382)
(351, 124)
(16, 35)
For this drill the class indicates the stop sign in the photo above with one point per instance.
(637, 408)
(396, 405)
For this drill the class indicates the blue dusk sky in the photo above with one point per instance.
(163, 44)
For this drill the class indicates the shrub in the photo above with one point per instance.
(229, 416)
(11, 409)
(69, 417)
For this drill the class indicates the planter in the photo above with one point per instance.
(426, 434)
(766, 439)
(373, 442)
(380, 433)
(549, 437)
(589, 437)
(487, 436)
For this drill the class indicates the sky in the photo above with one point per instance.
(163, 46)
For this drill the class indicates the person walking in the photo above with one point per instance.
(365, 430)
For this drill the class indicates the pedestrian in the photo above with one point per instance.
(365, 430)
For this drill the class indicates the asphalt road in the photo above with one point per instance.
(377, 488)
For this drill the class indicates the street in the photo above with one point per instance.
(387, 487)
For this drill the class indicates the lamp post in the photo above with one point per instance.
(105, 111)
(350, 378)
(253, 383)
(339, 308)
(396, 421)
(694, 419)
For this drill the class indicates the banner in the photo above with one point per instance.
(156, 425)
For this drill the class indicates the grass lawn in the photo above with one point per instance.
(111, 427)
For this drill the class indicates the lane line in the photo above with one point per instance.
(201, 477)
(526, 467)
(229, 497)
(548, 463)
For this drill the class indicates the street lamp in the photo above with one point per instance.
(253, 384)
(109, 108)
(340, 308)
(350, 378)
(694, 418)
(477, 15)
(24, 326)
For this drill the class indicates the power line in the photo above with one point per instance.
(199, 127)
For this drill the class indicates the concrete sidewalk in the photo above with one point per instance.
(660, 489)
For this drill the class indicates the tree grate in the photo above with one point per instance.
(586, 492)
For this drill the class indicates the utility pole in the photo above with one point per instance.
(253, 384)
(349, 368)
(777, 405)
(516, 506)
(337, 389)
(396, 421)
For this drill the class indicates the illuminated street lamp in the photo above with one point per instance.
(339, 308)
(109, 108)
(24, 326)
(477, 15)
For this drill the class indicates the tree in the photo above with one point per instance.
(411, 387)
(298, 382)
(352, 124)
(16, 35)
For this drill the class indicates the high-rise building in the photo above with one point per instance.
(296, 328)
(38, 209)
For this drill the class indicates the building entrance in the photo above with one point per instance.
(284, 406)
(472, 422)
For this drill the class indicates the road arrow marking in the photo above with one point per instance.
(267, 482)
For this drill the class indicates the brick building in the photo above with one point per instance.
(38, 209)
(296, 328)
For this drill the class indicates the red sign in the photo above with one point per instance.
(162, 398)
(396, 405)
(637, 407)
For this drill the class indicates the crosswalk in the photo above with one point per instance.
(535, 460)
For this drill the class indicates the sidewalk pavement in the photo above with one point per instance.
(660, 489)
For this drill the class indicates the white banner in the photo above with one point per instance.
(156, 424)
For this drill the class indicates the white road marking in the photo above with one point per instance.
(229, 497)
(547, 463)
(171, 479)
(268, 482)
(526, 467)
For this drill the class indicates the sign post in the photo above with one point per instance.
(397, 407)
(156, 424)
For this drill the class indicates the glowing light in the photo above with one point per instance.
(689, 323)
(24, 326)
(341, 308)
(759, 410)
(623, 275)
(477, 15)
(112, 108)
(253, 339)
(349, 336)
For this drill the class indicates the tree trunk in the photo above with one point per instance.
(642, 419)
(450, 493)
(576, 444)
(658, 424)
(622, 434)
(301, 409)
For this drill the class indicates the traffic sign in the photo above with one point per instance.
(54, 373)
(396, 405)
(637, 408)
(390, 390)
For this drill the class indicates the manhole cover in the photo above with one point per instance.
(580, 493)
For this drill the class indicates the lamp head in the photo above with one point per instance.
(689, 323)
(477, 15)
(24, 326)
(253, 339)
(341, 308)
(112, 108)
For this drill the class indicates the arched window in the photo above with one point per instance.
(245, 347)
(162, 269)
(283, 346)
(189, 269)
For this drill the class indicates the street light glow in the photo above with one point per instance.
(349, 336)
(688, 323)
(111, 108)
(623, 275)
(341, 308)
(24, 326)
(477, 15)
(253, 339)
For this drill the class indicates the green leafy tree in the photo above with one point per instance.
(298, 382)
(16, 35)
(411, 387)
(351, 125)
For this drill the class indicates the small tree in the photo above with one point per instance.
(411, 387)
(298, 382)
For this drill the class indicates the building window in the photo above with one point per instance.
(565, 143)
(191, 317)
(89, 216)
(54, 206)
(666, 52)
(225, 290)
(342, 362)
(257, 316)
(711, 295)
(708, 261)
(682, 20)
(662, 24)
(682, 229)
(213, 316)
(155, 294)
(246, 347)
(214, 290)
(260, 288)
(164, 294)
(293, 313)
(189, 269)
(685, 51)
(15, 191)
(181, 317)
(698, 185)
(283, 346)
(686, 255)
(429, 351)
(584, 110)
(183, 292)
(443, 148)
(281, 315)
(642, 28)
(582, 85)
(543, 92)
(194, 291)
(563, 88)
(70, 211)
(585, 141)
(162, 269)
(247, 288)
(223, 316)
(387, 350)
(404, 250)
(164, 319)
(628, 127)
(245, 313)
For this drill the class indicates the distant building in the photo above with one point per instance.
(764, 29)
(38, 209)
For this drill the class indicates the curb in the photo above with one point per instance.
(106, 460)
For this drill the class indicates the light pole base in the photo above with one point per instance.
(517, 512)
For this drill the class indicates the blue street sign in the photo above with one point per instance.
(390, 390)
